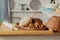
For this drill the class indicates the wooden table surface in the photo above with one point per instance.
(5, 31)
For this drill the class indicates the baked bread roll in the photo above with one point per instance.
(54, 23)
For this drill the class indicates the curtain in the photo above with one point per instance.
(11, 4)
(0, 10)
(4, 4)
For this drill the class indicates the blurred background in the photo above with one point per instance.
(10, 10)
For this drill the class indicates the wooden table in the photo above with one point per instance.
(5, 31)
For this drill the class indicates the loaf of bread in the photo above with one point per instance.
(54, 23)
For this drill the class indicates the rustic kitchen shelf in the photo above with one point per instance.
(22, 11)
(6, 31)
(51, 14)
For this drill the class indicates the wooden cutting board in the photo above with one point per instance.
(6, 31)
